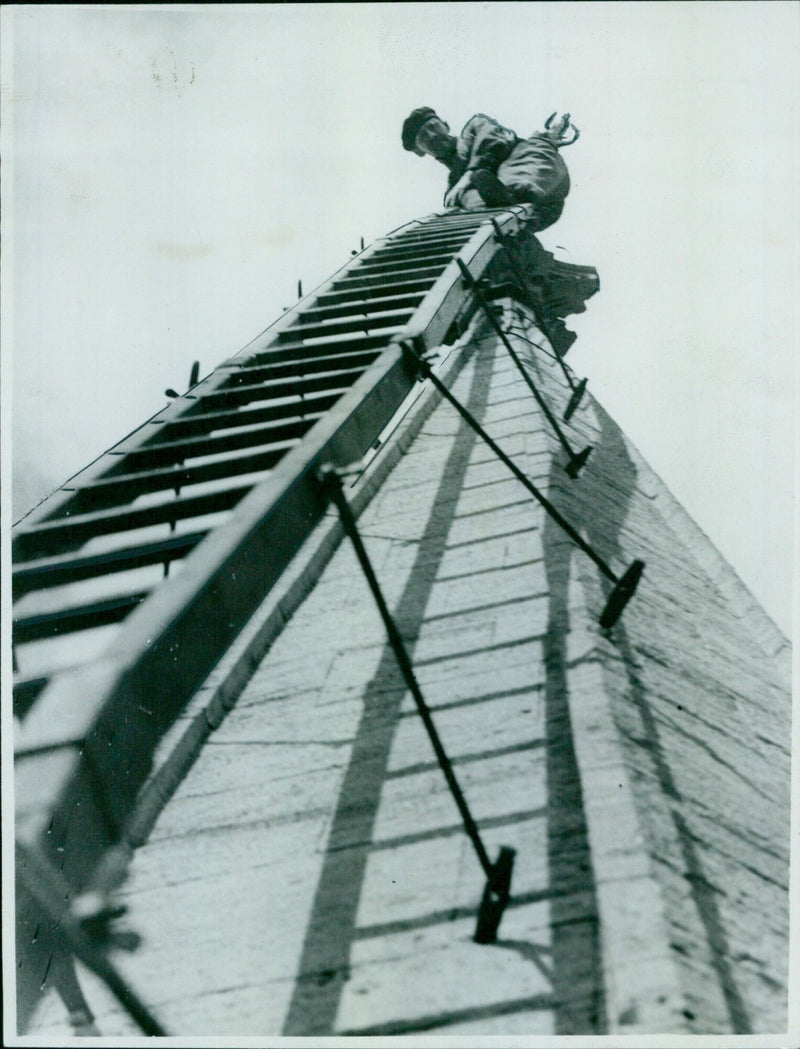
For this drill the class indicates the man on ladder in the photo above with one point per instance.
(490, 166)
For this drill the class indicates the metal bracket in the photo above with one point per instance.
(495, 897)
(621, 594)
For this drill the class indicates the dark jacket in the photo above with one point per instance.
(483, 143)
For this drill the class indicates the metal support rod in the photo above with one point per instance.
(497, 891)
(576, 459)
(625, 585)
(332, 483)
(504, 239)
(577, 389)
(75, 941)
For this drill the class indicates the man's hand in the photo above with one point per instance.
(453, 197)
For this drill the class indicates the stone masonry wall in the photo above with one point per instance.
(310, 875)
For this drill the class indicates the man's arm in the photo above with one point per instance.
(452, 198)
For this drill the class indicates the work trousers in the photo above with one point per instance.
(533, 173)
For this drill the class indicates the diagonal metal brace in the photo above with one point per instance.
(625, 585)
(577, 388)
(576, 459)
(498, 875)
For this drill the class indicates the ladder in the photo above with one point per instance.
(132, 580)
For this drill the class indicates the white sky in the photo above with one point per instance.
(171, 172)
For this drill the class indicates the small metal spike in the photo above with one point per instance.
(574, 400)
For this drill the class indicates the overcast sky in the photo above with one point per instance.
(171, 172)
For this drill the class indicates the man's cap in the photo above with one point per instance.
(413, 123)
